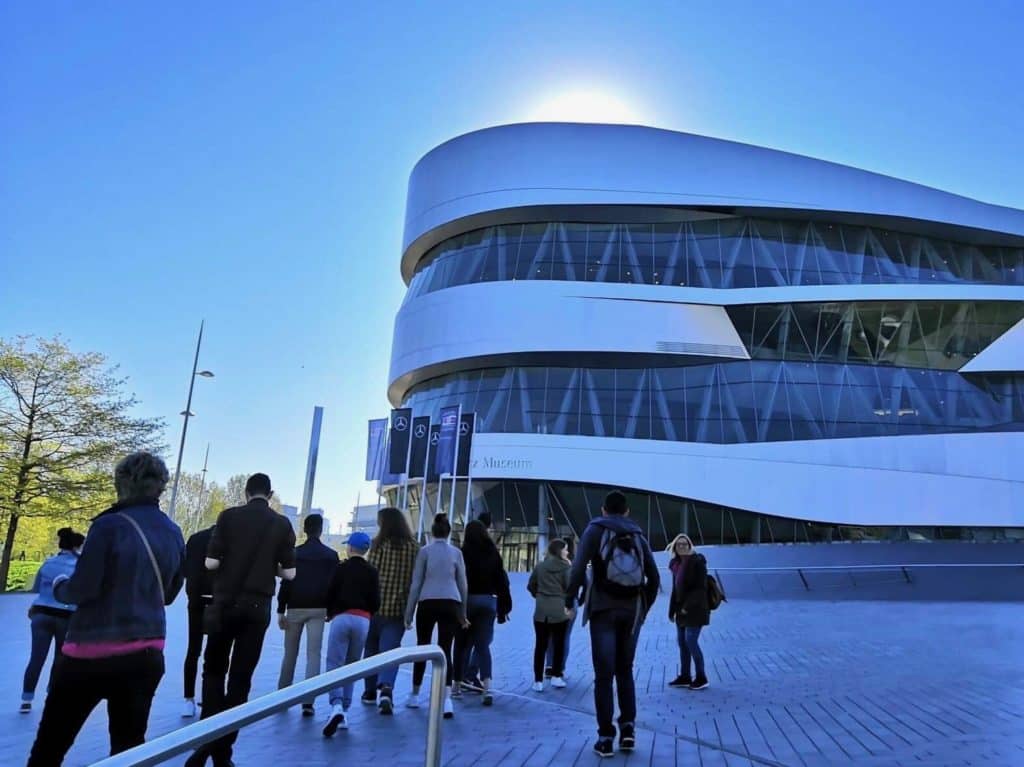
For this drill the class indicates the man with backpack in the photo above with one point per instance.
(623, 586)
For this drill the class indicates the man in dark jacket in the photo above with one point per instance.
(199, 590)
(250, 547)
(623, 587)
(302, 604)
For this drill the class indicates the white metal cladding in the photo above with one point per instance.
(944, 480)
(553, 167)
(504, 320)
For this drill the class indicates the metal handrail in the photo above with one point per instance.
(879, 566)
(206, 730)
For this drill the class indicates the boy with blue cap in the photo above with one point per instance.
(352, 599)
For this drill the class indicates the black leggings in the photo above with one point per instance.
(444, 614)
(556, 633)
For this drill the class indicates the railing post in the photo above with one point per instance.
(906, 574)
(438, 671)
(801, 574)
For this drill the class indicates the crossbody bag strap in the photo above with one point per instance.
(152, 557)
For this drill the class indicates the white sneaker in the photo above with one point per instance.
(538, 687)
(449, 709)
(188, 710)
(413, 701)
(558, 683)
(336, 722)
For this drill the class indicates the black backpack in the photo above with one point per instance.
(715, 593)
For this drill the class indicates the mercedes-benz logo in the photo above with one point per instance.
(463, 428)
(420, 431)
(435, 438)
(401, 423)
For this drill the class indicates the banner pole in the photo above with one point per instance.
(469, 478)
(455, 465)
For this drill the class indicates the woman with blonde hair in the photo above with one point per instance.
(689, 610)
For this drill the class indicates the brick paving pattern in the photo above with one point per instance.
(802, 683)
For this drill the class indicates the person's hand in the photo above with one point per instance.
(671, 616)
(408, 625)
(570, 612)
(282, 622)
(465, 623)
(502, 618)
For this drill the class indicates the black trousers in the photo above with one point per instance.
(228, 665)
(444, 614)
(126, 682)
(554, 632)
(195, 645)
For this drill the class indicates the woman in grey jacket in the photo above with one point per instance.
(549, 585)
(438, 598)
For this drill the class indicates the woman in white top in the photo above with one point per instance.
(438, 599)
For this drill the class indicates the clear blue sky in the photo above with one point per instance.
(246, 163)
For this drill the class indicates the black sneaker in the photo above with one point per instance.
(700, 683)
(384, 703)
(307, 709)
(488, 698)
(26, 707)
(604, 747)
(627, 737)
(369, 698)
(681, 681)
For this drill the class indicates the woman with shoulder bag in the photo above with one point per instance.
(689, 610)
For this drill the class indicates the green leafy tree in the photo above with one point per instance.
(199, 502)
(235, 493)
(65, 420)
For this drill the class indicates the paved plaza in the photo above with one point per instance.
(793, 683)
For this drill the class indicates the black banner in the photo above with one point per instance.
(398, 444)
(435, 437)
(420, 442)
(467, 426)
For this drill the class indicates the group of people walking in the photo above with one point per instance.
(102, 605)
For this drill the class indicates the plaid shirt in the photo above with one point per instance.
(394, 563)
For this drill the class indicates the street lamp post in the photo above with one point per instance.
(187, 414)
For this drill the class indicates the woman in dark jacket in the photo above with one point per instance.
(489, 599)
(689, 609)
(131, 568)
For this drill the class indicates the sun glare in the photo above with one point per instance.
(585, 106)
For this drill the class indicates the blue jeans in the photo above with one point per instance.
(345, 645)
(550, 662)
(385, 634)
(482, 611)
(689, 648)
(613, 635)
(45, 629)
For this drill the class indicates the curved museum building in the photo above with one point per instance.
(757, 346)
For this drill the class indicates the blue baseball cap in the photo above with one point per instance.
(359, 541)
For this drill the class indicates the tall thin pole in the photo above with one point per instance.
(314, 450)
(184, 426)
(202, 483)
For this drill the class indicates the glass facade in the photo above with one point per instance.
(731, 252)
(941, 335)
(729, 402)
(522, 510)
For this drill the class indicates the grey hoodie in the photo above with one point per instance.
(589, 552)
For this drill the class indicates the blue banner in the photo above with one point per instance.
(375, 448)
(447, 436)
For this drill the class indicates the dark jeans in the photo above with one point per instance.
(568, 637)
(444, 614)
(231, 655)
(482, 611)
(613, 635)
(385, 634)
(688, 638)
(45, 629)
(195, 646)
(126, 682)
(545, 632)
